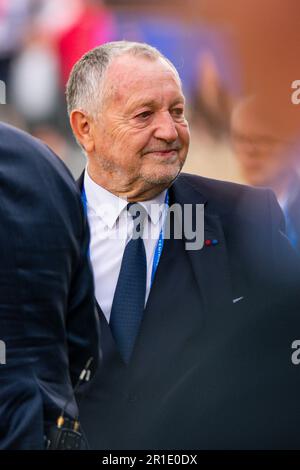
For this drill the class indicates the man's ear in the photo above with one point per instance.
(82, 129)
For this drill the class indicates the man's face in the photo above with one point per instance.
(264, 156)
(141, 136)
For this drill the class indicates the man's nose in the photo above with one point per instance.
(165, 127)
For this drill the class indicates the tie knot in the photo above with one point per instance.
(139, 214)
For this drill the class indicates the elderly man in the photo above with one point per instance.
(196, 342)
(48, 322)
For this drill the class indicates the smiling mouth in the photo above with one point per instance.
(164, 153)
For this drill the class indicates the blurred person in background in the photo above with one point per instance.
(15, 16)
(210, 152)
(57, 33)
(267, 158)
(213, 100)
(93, 26)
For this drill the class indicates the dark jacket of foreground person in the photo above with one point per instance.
(47, 314)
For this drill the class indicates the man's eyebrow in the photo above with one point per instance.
(152, 103)
(179, 100)
(140, 104)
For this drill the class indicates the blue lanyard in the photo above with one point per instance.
(159, 245)
(84, 200)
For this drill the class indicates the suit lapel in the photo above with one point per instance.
(109, 350)
(79, 182)
(211, 267)
(210, 263)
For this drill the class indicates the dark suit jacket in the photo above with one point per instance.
(211, 368)
(47, 313)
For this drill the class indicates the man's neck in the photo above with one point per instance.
(133, 192)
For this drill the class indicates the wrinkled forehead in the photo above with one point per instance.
(128, 75)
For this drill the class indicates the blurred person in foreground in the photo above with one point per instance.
(196, 339)
(47, 312)
(267, 158)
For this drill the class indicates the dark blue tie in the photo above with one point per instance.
(129, 299)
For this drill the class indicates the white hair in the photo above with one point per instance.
(85, 87)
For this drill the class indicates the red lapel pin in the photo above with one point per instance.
(212, 242)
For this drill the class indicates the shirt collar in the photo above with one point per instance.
(108, 206)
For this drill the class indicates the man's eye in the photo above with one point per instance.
(177, 112)
(144, 115)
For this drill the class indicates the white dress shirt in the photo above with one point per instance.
(111, 228)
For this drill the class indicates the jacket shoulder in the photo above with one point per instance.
(217, 187)
(20, 150)
(228, 196)
(25, 159)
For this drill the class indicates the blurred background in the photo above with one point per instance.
(40, 40)
(238, 60)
